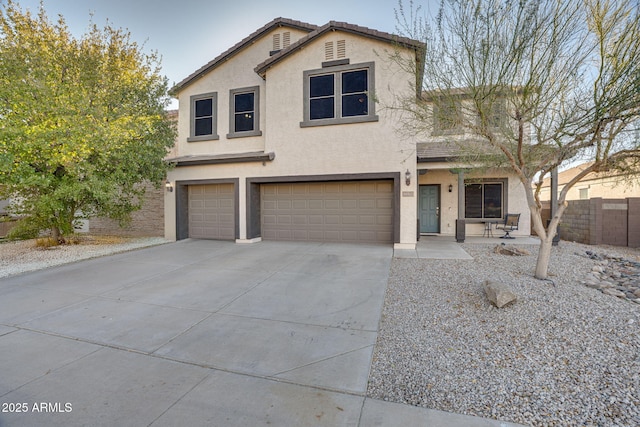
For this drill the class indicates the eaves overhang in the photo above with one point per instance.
(216, 159)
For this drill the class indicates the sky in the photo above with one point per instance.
(190, 33)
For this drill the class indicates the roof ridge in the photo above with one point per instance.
(381, 35)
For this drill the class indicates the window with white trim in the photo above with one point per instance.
(338, 95)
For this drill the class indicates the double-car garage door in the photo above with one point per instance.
(337, 211)
(353, 211)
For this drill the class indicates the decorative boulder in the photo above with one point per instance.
(510, 250)
(499, 293)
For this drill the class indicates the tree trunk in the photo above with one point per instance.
(55, 234)
(544, 255)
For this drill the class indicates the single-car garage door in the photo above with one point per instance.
(353, 212)
(212, 211)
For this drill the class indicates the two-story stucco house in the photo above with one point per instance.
(283, 137)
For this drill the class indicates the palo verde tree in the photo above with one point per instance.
(564, 75)
(82, 122)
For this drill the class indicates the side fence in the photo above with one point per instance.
(600, 221)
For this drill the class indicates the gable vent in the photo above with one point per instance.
(276, 42)
(328, 50)
(342, 49)
(286, 39)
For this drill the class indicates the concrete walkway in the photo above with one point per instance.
(446, 247)
(201, 333)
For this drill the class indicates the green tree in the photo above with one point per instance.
(82, 122)
(565, 74)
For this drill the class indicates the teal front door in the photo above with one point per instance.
(429, 209)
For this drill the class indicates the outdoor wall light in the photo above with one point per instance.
(169, 187)
(450, 188)
(407, 177)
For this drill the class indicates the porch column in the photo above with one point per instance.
(554, 202)
(460, 224)
(460, 194)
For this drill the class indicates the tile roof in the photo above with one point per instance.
(436, 151)
(340, 26)
(277, 22)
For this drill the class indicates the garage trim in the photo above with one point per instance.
(182, 204)
(253, 195)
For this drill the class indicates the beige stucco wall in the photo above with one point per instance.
(235, 73)
(372, 147)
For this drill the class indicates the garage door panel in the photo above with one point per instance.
(383, 204)
(284, 219)
(384, 220)
(300, 219)
(353, 211)
(284, 189)
(315, 219)
(270, 204)
(315, 204)
(349, 204)
(332, 204)
(350, 219)
(300, 204)
(284, 204)
(212, 211)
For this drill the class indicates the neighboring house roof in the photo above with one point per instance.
(223, 57)
(262, 68)
(567, 175)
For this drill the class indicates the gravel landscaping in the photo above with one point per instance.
(564, 354)
(22, 256)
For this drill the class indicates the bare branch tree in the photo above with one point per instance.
(564, 73)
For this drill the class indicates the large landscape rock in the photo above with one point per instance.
(499, 294)
(510, 250)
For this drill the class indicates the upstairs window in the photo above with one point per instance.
(354, 94)
(322, 99)
(496, 114)
(203, 117)
(339, 95)
(243, 112)
(446, 117)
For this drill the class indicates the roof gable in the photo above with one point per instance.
(262, 68)
(223, 57)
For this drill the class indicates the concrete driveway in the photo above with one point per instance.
(200, 333)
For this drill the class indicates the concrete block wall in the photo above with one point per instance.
(576, 222)
(600, 221)
(149, 221)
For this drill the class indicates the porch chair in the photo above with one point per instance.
(510, 224)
